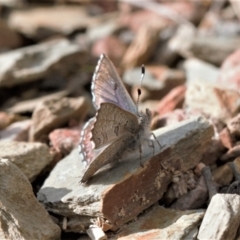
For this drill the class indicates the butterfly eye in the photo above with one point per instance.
(139, 92)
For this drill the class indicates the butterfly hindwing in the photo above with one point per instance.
(111, 123)
(110, 155)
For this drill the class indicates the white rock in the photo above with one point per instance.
(222, 218)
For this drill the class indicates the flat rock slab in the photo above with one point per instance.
(120, 194)
(43, 22)
(31, 158)
(162, 223)
(21, 215)
(51, 114)
(37, 61)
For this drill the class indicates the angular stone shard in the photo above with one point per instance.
(32, 63)
(120, 194)
(31, 158)
(22, 216)
(222, 218)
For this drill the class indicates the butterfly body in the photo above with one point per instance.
(117, 127)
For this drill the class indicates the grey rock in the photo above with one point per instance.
(51, 114)
(162, 223)
(34, 62)
(31, 158)
(120, 194)
(22, 216)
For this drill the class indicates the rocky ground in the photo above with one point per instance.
(189, 189)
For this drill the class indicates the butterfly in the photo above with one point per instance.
(117, 127)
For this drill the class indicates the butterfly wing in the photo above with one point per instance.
(110, 154)
(111, 123)
(108, 87)
(86, 145)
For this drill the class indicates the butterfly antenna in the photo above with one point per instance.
(139, 89)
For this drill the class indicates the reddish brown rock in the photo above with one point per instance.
(119, 194)
(223, 175)
(64, 140)
(173, 100)
(143, 46)
(233, 126)
(213, 151)
(56, 113)
(112, 46)
(226, 138)
(230, 71)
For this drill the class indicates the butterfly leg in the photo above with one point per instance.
(151, 144)
(157, 140)
(140, 152)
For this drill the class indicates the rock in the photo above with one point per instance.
(12, 3)
(29, 105)
(223, 175)
(42, 22)
(213, 152)
(135, 20)
(143, 46)
(233, 126)
(222, 224)
(96, 233)
(157, 82)
(8, 39)
(64, 140)
(106, 25)
(17, 131)
(169, 118)
(55, 113)
(193, 199)
(230, 69)
(231, 154)
(31, 158)
(120, 194)
(204, 47)
(214, 101)
(22, 216)
(35, 62)
(112, 46)
(8, 118)
(197, 70)
(174, 99)
(226, 139)
(162, 223)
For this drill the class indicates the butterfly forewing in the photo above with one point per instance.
(108, 87)
(111, 123)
